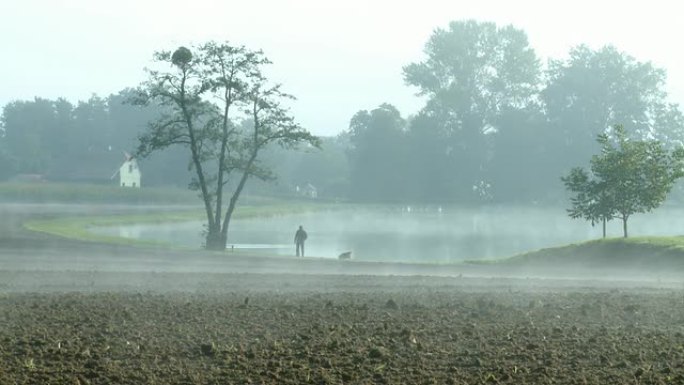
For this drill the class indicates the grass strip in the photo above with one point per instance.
(77, 227)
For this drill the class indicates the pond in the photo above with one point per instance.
(409, 234)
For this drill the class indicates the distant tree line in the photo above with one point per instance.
(625, 178)
(498, 125)
(86, 142)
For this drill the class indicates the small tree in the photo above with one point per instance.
(628, 177)
(591, 200)
(222, 109)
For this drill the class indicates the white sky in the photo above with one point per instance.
(335, 57)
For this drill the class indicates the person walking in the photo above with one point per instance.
(300, 237)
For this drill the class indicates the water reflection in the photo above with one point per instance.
(411, 234)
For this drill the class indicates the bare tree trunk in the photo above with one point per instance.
(214, 228)
(215, 241)
(228, 97)
(604, 228)
(234, 199)
(624, 226)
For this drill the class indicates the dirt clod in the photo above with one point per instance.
(208, 349)
(390, 304)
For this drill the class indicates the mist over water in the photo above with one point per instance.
(410, 233)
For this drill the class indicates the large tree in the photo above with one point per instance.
(593, 90)
(6, 162)
(473, 72)
(221, 108)
(591, 200)
(27, 126)
(521, 166)
(430, 172)
(629, 176)
(378, 157)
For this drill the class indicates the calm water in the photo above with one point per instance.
(421, 234)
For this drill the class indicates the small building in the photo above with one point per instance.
(308, 191)
(28, 178)
(129, 173)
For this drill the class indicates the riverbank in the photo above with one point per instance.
(638, 259)
(77, 227)
(654, 256)
(78, 312)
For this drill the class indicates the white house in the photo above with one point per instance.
(308, 191)
(129, 173)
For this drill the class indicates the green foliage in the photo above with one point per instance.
(378, 156)
(521, 167)
(79, 227)
(593, 90)
(224, 112)
(325, 168)
(661, 256)
(27, 125)
(492, 128)
(475, 66)
(83, 143)
(7, 166)
(474, 71)
(629, 176)
(430, 174)
(44, 192)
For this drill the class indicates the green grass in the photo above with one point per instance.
(48, 192)
(638, 253)
(77, 227)
(643, 252)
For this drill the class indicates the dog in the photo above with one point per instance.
(345, 255)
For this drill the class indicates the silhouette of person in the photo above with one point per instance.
(300, 237)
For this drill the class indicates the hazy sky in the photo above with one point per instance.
(335, 57)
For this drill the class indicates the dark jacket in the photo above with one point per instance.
(300, 236)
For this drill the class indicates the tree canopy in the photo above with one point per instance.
(377, 154)
(473, 73)
(222, 109)
(497, 126)
(629, 176)
(594, 90)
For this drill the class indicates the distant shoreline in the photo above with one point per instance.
(656, 259)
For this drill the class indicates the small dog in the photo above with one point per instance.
(345, 255)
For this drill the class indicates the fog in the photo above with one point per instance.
(445, 131)
(75, 48)
(415, 234)
(433, 151)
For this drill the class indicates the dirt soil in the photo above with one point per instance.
(99, 323)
